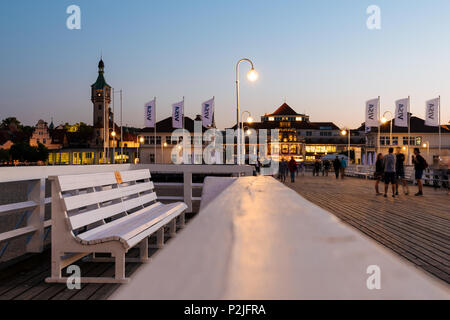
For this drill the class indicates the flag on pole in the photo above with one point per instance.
(207, 113)
(372, 113)
(177, 115)
(432, 113)
(150, 114)
(401, 112)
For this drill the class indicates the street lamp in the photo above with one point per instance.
(427, 145)
(140, 141)
(163, 145)
(113, 134)
(249, 120)
(347, 132)
(384, 120)
(252, 76)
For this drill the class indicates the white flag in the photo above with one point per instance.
(177, 115)
(432, 113)
(372, 114)
(150, 114)
(207, 112)
(401, 112)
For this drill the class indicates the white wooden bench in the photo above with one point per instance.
(107, 213)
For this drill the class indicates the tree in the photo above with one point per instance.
(23, 152)
(8, 121)
(4, 155)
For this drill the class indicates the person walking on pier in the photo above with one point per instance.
(400, 172)
(337, 166)
(343, 167)
(420, 164)
(389, 172)
(326, 167)
(379, 171)
(283, 170)
(292, 168)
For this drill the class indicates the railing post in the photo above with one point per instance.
(188, 190)
(36, 219)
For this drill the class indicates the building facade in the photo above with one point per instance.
(420, 136)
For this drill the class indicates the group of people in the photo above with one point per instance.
(339, 166)
(391, 169)
(286, 167)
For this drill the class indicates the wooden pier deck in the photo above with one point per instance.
(416, 228)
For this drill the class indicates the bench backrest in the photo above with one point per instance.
(96, 199)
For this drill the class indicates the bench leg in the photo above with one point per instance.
(56, 266)
(173, 228)
(143, 250)
(160, 238)
(120, 267)
(182, 222)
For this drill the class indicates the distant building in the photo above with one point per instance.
(302, 139)
(41, 135)
(157, 148)
(421, 136)
(102, 115)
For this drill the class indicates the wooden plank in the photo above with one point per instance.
(87, 199)
(416, 228)
(83, 181)
(87, 218)
(17, 207)
(16, 233)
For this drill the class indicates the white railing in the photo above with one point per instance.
(37, 178)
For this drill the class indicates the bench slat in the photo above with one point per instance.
(130, 227)
(88, 199)
(101, 228)
(83, 181)
(87, 218)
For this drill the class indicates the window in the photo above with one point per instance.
(293, 149)
(158, 140)
(45, 141)
(325, 134)
(285, 149)
(152, 140)
(168, 139)
(382, 141)
(395, 141)
(146, 140)
(308, 133)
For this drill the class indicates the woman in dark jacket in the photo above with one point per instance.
(379, 171)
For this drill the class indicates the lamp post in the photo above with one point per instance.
(113, 134)
(141, 140)
(427, 145)
(251, 76)
(384, 120)
(163, 145)
(249, 120)
(347, 132)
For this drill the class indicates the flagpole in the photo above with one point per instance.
(439, 127)
(379, 126)
(154, 141)
(409, 127)
(121, 127)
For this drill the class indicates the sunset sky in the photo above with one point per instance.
(318, 55)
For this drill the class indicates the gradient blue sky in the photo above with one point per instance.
(319, 55)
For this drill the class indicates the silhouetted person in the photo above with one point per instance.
(337, 166)
(292, 169)
(389, 172)
(379, 172)
(420, 164)
(400, 172)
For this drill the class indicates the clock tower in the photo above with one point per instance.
(101, 99)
